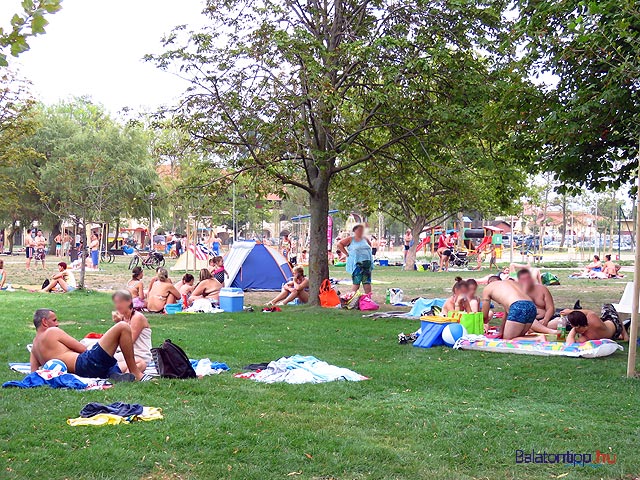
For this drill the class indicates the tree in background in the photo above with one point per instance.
(18, 121)
(590, 126)
(90, 168)
(29, 22)
(306, 91)
(467, 162)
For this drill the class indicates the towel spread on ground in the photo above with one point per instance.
(421, 306)
(148, 414)
(590, 349)
(203, 367)
(301, 369)
(48, 378)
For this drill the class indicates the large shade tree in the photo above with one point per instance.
(469, 161)
(305, 91)
(590, 124)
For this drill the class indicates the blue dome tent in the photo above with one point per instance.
(254, 266)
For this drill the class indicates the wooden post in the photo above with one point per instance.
(186, 248)
(633, 332)
(195, 243)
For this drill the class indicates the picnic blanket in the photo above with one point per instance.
(203, 367)
(590, 349)
(299, 369)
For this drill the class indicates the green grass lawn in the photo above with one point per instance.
(424, 413)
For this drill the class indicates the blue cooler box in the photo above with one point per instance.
(231, 299)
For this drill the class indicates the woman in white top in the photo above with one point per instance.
(140, 330)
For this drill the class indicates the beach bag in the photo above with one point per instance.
(550, 279)
(172, 362)
(395, 295)
(328, 296)
(351, 300)
(366, 303)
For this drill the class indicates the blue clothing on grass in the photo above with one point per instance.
(33, 380)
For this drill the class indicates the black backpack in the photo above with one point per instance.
(172, 362)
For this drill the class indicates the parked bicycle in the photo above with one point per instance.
(151, 260)
(107, 257)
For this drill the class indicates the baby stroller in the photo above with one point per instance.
(459, 259)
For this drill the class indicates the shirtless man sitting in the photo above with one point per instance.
(541, 296)
(53, 342)
(521, 311)
(588, 325)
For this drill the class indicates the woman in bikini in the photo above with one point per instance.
(155, 279)
(298, 288)
(140, 330)
(162, 292)
(208, 287)
(136, 288)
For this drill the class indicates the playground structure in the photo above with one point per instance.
(466, 250)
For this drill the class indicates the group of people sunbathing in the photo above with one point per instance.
(162, 291)
(530, 308)
(600, 270)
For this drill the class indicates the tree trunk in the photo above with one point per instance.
(564, 221)
(54, 233)
(114, 244)
(318, 247)
(11, 238)
(416, 230)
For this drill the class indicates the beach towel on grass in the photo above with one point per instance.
(48, 378)
(590, 349)
(203, 367)
(301, 369)
(423, 305)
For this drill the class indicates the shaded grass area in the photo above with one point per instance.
(433, 413)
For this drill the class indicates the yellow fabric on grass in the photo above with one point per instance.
(148, 414)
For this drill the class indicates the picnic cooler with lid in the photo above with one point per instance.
(231, 299)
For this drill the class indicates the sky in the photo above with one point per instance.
(95, 48)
